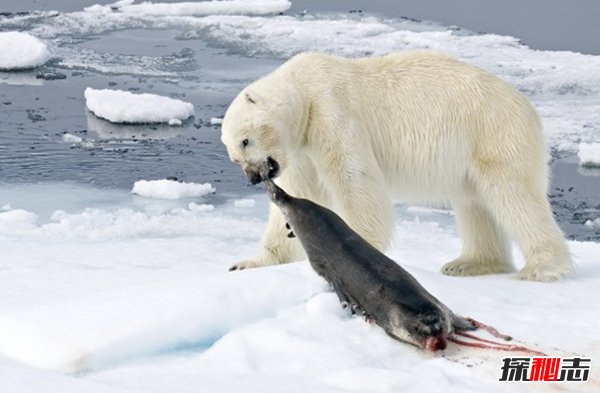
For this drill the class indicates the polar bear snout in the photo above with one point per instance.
(253, 174)
(268, 169)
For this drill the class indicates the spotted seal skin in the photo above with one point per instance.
(364, 278)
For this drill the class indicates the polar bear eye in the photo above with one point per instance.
(245, 142)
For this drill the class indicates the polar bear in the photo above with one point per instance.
(418, 127)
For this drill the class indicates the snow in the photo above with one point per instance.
(225, 7)
(111, 295)
(21, 51)
(589, 154)
(16, 218)
(120, 106)
(170, 189)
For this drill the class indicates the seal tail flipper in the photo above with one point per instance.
(460, 323)
(480, 325)
(479, 342)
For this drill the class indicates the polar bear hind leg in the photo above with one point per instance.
(520, 206)
(486, 249)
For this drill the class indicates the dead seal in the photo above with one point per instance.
(370, 283)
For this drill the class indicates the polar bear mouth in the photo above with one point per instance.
(272, 167)
(269, 169)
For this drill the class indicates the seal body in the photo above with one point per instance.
(364, 278)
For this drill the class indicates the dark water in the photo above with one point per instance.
(575, 198)
(35, 114)
(33, 119)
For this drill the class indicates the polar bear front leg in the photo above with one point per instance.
(275, 246)
(299, 180)
(360, 195)
(367, 209)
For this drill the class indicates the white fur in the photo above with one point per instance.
(353, 134)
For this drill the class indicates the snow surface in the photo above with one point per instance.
(120, 106)
(170, 189)
(21, 51)
(225, 7)
(589, 154)
(113, 296)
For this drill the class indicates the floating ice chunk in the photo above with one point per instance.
(595, 224)
(75, 140)
(120, 106)
(170, 189)
(589, 154)
(116, 6)
(244, 203)
(200, 208)
(21, 51)
(19, 78)
(215, 121)
(229, 7)
(175, 122)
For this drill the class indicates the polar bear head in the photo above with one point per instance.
(262, 125)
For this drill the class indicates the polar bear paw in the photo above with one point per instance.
(248, 264)
(545, 273)
(474, 267)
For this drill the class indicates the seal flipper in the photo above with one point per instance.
(348, 302)
(291, 234)
(462, 324)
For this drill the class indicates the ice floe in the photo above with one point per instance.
(120, 106)
(170, 189)
(21, 51)
(589, 154)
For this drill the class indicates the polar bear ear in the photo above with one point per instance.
(250, 97)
